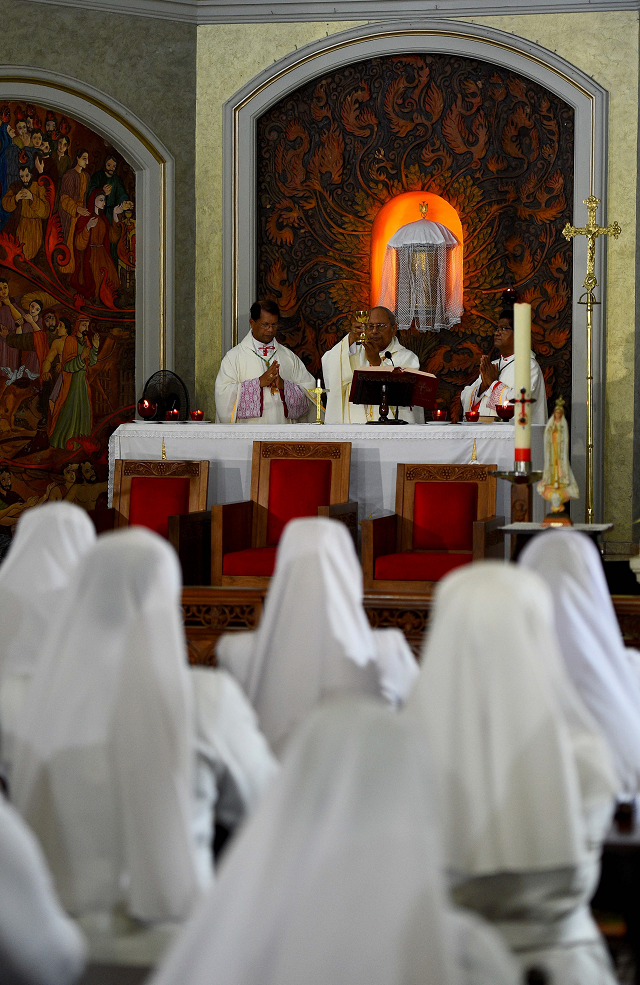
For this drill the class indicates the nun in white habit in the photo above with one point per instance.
(337, 877)
(524, 777)
(103, 771)
(48, 544)
(39, 944)
(107, 746)
(314, 639)
(591, 643)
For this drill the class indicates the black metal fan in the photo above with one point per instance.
(168, 392)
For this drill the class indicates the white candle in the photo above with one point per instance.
(522, 372)
(318, 383)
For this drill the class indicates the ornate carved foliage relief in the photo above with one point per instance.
(495, 145)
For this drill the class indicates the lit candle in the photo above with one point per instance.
(522, 368)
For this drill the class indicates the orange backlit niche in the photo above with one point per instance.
(398, 212)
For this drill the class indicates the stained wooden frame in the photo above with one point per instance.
(239, 526)
(394, 533)
(180, 536)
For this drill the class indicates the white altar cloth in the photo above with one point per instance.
(375, 452)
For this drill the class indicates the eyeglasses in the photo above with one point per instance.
(377, 324)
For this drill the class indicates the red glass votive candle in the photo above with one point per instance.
(472, 416)
(197, 415)
(505, 411)
(439, 414)
(172, 415)
(146, 409)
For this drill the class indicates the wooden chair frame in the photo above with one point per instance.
(198, 474)
(394, 533)
(238, 526)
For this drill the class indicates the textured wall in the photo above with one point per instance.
(228, 56)
(605, 45)
(147, 65)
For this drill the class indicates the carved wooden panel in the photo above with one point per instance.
(495, 145)
(447, 473)
(161, 469)
(304, 449)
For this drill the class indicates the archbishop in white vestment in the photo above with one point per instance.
(261, 381)
(339, 363)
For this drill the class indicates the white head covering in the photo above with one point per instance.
(519, 762)
(314, 639)
(39, 944)
(103, 769)
(337, 877)
(591, 642)
(48, 544)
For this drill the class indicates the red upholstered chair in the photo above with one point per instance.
(444, 518)
(155, 494)
(288, 480)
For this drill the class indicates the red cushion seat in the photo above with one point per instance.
(297, 487)
(154, 499)
(419, 565)
(257, 561)
(443, 516)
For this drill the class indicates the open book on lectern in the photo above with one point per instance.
(405, 387)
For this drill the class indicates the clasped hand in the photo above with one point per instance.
(271, 377)
(489, 373)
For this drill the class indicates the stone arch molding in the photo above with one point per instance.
(588, 100)
(154, 169)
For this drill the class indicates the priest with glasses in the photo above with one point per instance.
(261, 381)
(379, 348)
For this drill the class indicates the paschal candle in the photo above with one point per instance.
(522, 368)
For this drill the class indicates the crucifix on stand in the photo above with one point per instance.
(592, 230)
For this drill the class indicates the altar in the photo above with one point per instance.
(375, 452)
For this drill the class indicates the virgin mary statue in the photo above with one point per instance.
(558, 483)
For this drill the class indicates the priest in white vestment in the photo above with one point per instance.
(260, 381)
(525, 780)
(339, 363)
(591, 643)
(337, 880)
(314, 639)
(496, 382)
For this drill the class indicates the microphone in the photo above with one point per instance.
(388, 355)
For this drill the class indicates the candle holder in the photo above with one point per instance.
(147, 409)
(505, 412)
(317, 392)
(172, 415)
(439, 414)
(197, 415)
(472, 416)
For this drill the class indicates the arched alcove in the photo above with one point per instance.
(400, 210)
(154, 169)
(586, 98)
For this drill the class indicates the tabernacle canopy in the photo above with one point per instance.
(591, 642)
(330, 882)
(314, 639)
(422, 276)
(103, 767)
(527, 784)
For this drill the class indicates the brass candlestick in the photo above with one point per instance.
(317, 392)
(592, 230)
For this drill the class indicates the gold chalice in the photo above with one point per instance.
(362, 317)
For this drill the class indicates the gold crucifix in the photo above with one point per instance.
(317, 392)
(592, 230)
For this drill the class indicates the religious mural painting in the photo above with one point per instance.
(495, 145)
(67, 308)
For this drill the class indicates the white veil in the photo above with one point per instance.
(103, 768)
(591, 642)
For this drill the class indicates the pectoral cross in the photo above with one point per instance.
(592, 230)
(317, 393)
